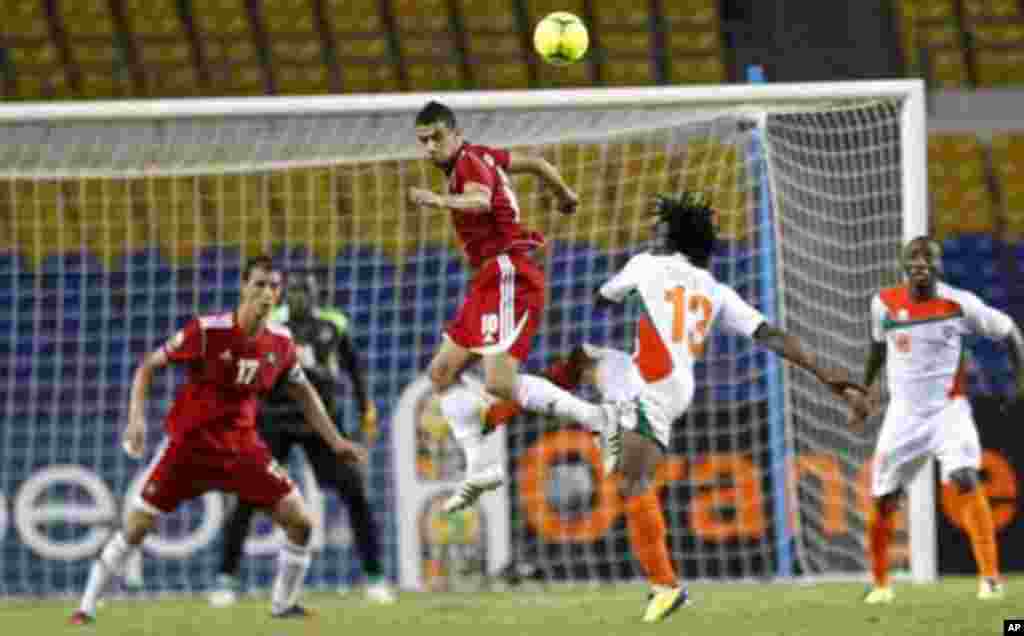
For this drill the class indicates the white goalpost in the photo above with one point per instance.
(119, 220)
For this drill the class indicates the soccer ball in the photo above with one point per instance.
(561, 38)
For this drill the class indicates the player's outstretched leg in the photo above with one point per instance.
(294, 559)
(976, 515)
(111, 562)
(881, 526)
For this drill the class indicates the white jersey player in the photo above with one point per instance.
(682, 303)
(917, 332)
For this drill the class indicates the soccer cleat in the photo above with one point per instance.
(472, 487)
(295, 611)
(381, 593)
(662, 603)
(226, 592)
(611, 438)
(879, 595)
(81, 618)
(991, 590)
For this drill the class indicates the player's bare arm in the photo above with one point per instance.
(303, 393)
(791, 349)
(476, 198)
(1016, 342)
(539, 166)
(134, 438)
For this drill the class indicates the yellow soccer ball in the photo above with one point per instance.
(561, 38)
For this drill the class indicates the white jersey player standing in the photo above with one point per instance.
(682, 302)
(917, 333)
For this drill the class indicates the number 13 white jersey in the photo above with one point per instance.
(682, 302)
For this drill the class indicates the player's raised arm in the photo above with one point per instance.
(302, 392)
(519, 162)
(1016, 341)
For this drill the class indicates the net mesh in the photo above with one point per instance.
(112, 235)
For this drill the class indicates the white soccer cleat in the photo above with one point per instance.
(381, 593)
(226, 593)
(991, 590)
(473, 487)
(611, 438)
(879, 596)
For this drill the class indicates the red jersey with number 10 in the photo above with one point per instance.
(485, 235)
(227, 372)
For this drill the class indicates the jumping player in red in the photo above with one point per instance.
(232, 358)
(502, 308)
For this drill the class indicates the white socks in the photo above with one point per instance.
(292, 563)
(110, 563)
(540, 395)
(464, 408)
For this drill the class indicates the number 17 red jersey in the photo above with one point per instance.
(227, 371)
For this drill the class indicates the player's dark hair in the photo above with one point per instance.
(436, 113)
(687, 225)
(934, 246)
(262, 261)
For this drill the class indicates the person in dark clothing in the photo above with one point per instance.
(324, 351)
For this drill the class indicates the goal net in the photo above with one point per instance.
(118, 222)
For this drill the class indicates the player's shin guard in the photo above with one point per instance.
(293, 561)
(646, 525)
(540, 395)
(110, 563)
(880, 531)
(977, 518)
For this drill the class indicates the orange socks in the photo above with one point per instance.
(977, 518)
(646, 526)
(880, 530)
(500, 412)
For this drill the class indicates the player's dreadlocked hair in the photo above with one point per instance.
(685, 223)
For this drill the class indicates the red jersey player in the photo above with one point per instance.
(502, 308)
(231, 359)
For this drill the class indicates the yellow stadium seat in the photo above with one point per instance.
(992, 8)
(433, 76)
(27, 20)
(626, 42)
(40, 228)
(295, 47)
(957, 185)
(998, 34)
(1008, 162)
(623, 71)
(949, 67)
(697, 70)
(422, 15)
(172, 80)
(288, 15)
(633, 16)
(86, 18)
(369, 77)
(481, 17)
(501, 76)
(574, 75)
(501, 46)
(154, 18)
(301, 79)
(354, 16)
(537, 9)
(370, 48)
(1000, 67)
(699, 12)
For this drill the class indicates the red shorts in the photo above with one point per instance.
(184, 471)
(502, 309)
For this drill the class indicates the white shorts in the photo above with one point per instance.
(907, 440)
(655, 406)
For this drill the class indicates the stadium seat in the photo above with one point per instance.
(961, 202)
(1008, 163)
(932, 27)
(296, 47)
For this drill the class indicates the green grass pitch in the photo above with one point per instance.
(718, 609)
